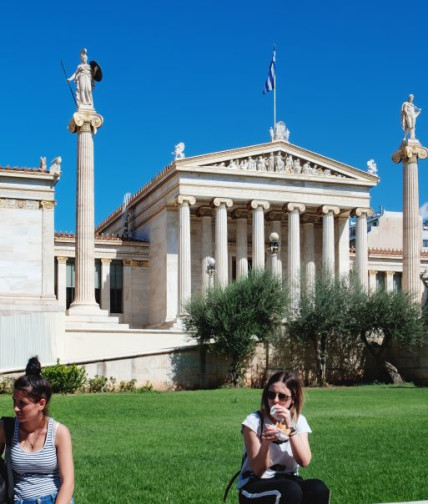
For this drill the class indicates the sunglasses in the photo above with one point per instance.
(282, 397)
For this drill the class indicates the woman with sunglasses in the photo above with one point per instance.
(276, 445)
(40, 453)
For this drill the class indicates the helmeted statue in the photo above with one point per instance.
(85, 76)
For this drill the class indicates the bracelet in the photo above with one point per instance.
(293, 432)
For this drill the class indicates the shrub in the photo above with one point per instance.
(65, 378)
(6, 385)
(101, 384)
(128, 386)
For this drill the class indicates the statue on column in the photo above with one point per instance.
(409, 113)
(85, 76)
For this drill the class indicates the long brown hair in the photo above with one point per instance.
(293, 382)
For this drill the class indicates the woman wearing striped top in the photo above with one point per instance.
(41, 453)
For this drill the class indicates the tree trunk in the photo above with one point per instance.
(393, 373)
(202, 366)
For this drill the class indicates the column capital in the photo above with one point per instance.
(181, 200)
(254, 204)
(290, 207)
(240, 213)
(325, 209)
(204, 211)
(62, 259)
(48, 205)
(358, 212)
(85, 121)
(217, 202)
(410, 151)
(105, 260)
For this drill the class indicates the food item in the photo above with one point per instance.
(283, 428)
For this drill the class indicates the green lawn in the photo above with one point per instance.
(370, 444)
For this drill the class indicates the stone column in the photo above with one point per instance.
(221, 244)
(258, 208)
(309, 249)
(294, 210)
(409, 152)
(48, 259)
(61, 278)
(372, 281)
(361, 246)
(276, 218)
(389, 281)
(241, 243)
(328, 253)
(105, 283)
(205, 215)
(85, 124)
(184, 263)
(127, 291)
(342, 247)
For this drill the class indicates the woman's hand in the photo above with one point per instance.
(283, 413)
(269, 433)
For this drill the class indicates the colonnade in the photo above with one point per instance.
(335, 240)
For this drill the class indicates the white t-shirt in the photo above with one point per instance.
(280, 452)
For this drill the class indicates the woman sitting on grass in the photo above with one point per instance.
(276, 445)
(40, 454)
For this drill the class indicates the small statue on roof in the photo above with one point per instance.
(279, 132)
(179, 150)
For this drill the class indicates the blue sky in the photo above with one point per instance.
(194, 71)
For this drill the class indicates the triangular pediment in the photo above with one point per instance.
(279, 157)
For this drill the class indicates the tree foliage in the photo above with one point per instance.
(233, 319)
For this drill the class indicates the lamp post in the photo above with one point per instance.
(274, 249)
(210, 271)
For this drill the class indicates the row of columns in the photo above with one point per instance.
(330, 254)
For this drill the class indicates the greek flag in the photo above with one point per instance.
(270, 81)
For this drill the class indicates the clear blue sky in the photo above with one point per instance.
(194, 71)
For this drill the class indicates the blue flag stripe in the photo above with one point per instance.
(270, 81)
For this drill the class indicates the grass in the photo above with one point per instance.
(369, 443)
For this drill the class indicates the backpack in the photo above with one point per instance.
(6, 486)
(244, 456)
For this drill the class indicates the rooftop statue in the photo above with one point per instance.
(85, 76)
(372, 167)
(279, 132)
(179, 151)
(409, 113)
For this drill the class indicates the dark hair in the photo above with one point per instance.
(34, 384)
(293, 382)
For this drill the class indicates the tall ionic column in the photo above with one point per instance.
(184, 263)
(85, 124)
(221, 245)
(342, 247)
(258, 208)
(309, 248)
(61, 277)
(328, 253)
(409, 152)
(294, 210)
(361, 246)
(105, 283)
(205, 214)
(241, 216)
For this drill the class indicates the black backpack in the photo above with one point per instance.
(6, 486)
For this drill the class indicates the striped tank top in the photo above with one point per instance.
(35, 474)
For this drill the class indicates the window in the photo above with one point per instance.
(97, 280)
(425, 243)
(380, 280)
(70, 281)
(397, 281)
(116, 286)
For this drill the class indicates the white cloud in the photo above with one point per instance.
(424, 211)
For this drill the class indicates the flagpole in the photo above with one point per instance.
(274, 86)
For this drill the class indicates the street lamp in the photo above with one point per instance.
(210, 271)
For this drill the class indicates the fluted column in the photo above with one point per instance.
(258, 208)
(361, 246)
(48, 276)
(294, 210)
(342, 247)
(61, 279)
(389, 281)
(85, 124)
(372, 281)
(309, 249)
(105, 283)
(410, 151)
(241, 242)
(184, 262)
(205, 215)
(221, 244)
(328, 253)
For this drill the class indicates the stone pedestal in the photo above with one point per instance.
(409, 153)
